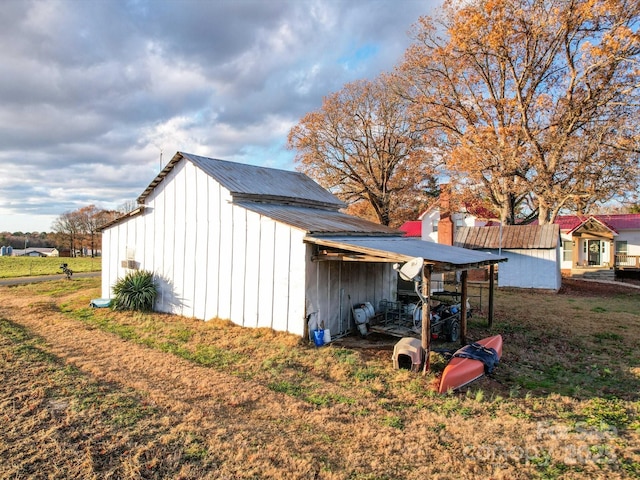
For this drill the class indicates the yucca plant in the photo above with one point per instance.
(136, 291)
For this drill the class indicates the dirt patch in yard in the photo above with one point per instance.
(576, 287)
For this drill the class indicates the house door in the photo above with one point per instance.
(594, 252)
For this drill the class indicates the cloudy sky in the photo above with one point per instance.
(92, 91)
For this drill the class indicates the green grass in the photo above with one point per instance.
(11, 267)
(121, 407)
(570, 371)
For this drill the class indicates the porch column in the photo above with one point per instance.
(612, 254)
(575, 253)
(492, 269)
(463, 309)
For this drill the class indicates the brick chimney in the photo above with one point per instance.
(445, 225)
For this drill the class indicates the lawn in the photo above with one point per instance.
(96, 393)
(11, 267)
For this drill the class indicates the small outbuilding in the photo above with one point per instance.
(261, 247)
(534, 253)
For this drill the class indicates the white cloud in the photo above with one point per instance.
(92, 91)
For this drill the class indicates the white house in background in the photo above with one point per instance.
(600, 241)
(261, 247)
(433, 224)
(533, 252)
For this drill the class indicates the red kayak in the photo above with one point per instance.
(462, 371)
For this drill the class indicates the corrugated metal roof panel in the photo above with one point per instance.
(511, 236)
(402, 249)
(318, 221)
(250, 180)
(253, 182)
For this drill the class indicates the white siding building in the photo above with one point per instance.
(533, 252)
(258, 246)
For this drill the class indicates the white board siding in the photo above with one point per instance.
(281, 276)
(240, 267)
(334, 287)
(216, 259)
(265, 272)
(632, 237)
(530, 268)
(251, 276)
(213, 248)
(212, 258)
(295, 321)
(201, 248)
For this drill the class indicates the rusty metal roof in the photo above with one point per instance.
(508, 236)
(250, 182)
(318, 221)
(402, 249)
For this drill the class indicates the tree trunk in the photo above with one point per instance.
(544, 213)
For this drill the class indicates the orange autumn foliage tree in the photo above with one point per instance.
(531, 100)
(362, 147)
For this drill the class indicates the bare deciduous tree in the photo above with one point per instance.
(361, 146)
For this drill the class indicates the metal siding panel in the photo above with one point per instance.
(191, 217)
(282, 279)
(179, 246)
(252, 255)
(162, 252)
(108, 262)
(202, 242)
(266, 272)
(213, 248)
(225, 264)
(169, 246)
(529, 268)
(297, 283)
(238, 284)
(149, 240)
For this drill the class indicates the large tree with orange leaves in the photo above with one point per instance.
(531, 99)
(362, 146)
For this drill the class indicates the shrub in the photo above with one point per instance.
(136, 291)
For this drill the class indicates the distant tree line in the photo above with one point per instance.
(78, 231)
(74, 233)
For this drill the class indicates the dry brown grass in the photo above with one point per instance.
(98, 394)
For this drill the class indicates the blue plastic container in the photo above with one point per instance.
(318, 337)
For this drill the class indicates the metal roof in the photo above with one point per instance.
(402, 249)
(509, 236)
(250, 182)
(318, 221)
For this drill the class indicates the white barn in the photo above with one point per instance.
(534, 253)
(261, 247)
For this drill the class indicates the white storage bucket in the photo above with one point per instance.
(360, 316)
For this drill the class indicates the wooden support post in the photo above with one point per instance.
(463, 309)
(492, 270)
(426, 315)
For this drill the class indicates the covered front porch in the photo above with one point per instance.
(589, 247)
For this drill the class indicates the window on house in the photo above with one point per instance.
(567, 251)
(621, 247)
(434, 225)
